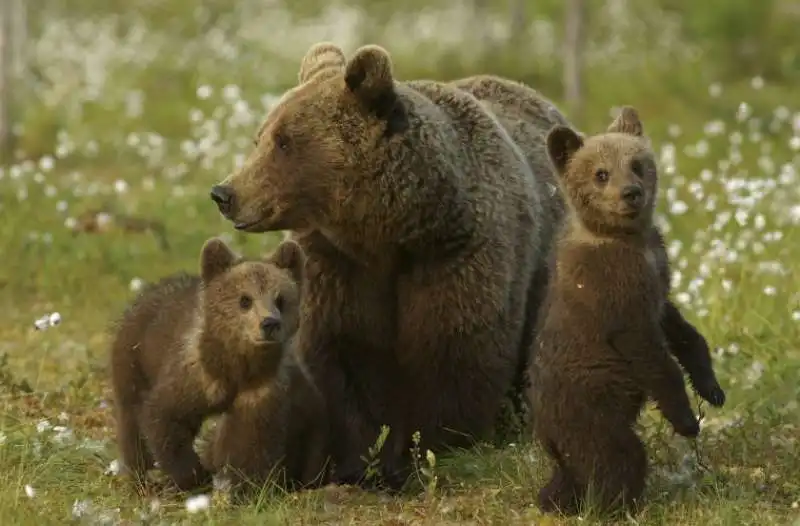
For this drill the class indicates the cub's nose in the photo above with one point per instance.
(632, 194)
(222, 195)
(269, 326)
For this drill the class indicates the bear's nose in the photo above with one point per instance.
(223, 196)
(269, 326)
(632, 194)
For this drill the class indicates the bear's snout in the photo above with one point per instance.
(270, 326)
(223, 196)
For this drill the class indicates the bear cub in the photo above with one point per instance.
(188, 344)
(600, 350)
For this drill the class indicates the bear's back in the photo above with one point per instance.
(150, 330)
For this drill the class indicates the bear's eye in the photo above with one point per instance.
(601, 175)
(637, 168)
(245, 302)
(281, 141)
(279, 302)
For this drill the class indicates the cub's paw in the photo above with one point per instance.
(710, 391)
(688, 426)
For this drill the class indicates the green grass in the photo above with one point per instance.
(737, 279)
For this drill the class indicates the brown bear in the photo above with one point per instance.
(188, 344)
(600, 350)
(289, 447)
(529, 117)
(422, 221)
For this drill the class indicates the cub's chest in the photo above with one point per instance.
(605, 277)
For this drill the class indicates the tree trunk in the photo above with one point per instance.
(574, 38)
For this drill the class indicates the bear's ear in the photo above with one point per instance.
(627, 122)
(215, 259)
(322, 60)
(369, 77)
(290, 256)
(562, 143)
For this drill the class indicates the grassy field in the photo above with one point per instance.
(104, 208)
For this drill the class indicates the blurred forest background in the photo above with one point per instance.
(89, 66)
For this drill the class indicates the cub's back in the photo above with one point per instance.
(146, 334)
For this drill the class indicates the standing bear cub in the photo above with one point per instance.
(600, 350)
(188, 344)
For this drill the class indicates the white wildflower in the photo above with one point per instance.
(197, 503)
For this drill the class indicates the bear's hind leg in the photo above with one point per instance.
(133, 451)
(620, 470)
(563, 493)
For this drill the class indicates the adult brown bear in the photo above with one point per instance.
(422, 224)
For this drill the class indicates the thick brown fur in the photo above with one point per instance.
(185, 347)
(288, 448)
(600, 351)
(422, 222)
(529, 117)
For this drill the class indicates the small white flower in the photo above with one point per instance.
(61, 206)
(197, 503)
(46, 163)
(795, 317)
(81, 508)
(42, 323)
(120, 186)
(715, 90)
(136, 284)
(54, 319)
(42, 426)
(679, 208)
(113, 468)
(757, 83)
(29, 491)
(204, 92)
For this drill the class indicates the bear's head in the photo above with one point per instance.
(610, 179)
(323, 158)
(251, 305)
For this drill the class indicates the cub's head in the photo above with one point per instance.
(250, 304)
(320, 155)
(610, 179)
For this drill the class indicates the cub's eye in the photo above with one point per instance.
(281, 141)
(279, 302)
(637, 168)
(245, 302)
(601, 175)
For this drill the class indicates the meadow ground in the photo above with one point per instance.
(81, 229)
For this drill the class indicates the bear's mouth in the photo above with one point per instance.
(246, 227)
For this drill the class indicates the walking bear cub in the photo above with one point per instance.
(188, 344)
(600, 350)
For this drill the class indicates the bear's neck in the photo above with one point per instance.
(586, 229)
(238, 369)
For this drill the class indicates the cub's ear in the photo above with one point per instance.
(369, 77)
(322, 60)
(290, 256)
(627, 122)
(562, 143)
(215, 259)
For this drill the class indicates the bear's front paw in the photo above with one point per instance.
(197, 478)
(711, 392)
(687, 426)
